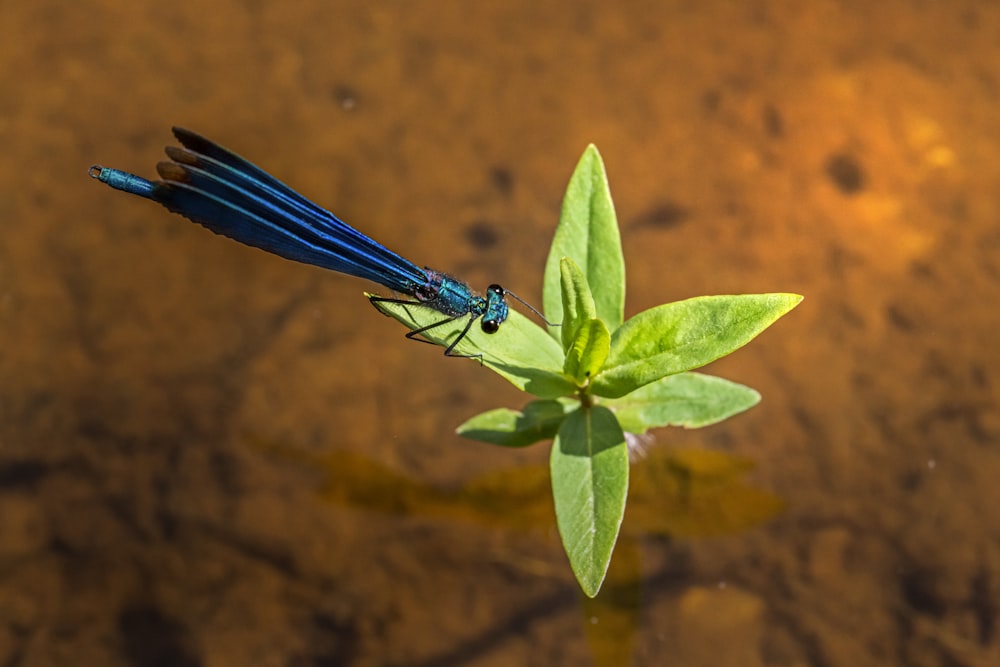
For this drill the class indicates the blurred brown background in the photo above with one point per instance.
(210, 456)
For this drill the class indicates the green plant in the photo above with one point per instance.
(598, 376)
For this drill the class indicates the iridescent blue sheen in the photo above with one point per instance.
(216, 188)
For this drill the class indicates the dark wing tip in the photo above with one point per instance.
(171, 171)
(181, 155)
(192, 140)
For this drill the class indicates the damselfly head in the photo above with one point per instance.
(496, 309)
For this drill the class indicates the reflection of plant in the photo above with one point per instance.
(682, 493)
(597, 375)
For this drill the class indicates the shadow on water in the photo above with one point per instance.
(674, 494)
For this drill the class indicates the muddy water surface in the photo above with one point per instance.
(210, 456)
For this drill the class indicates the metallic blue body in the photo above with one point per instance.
(218, 189)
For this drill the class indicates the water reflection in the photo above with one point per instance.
(674, 493)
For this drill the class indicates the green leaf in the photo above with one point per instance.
(520, 351)
(691, 400)
(588, 351)
(589, 467)
(588, 234)
(683, 335)
(539, 420)
(577, 301)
